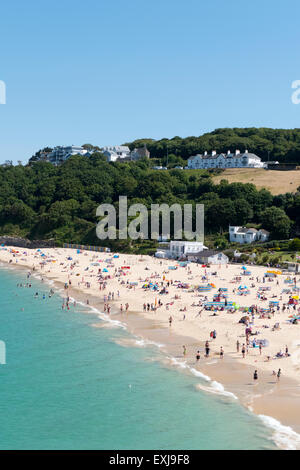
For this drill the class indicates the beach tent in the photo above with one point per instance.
(116, 256)
(244, 268)
(105, 270)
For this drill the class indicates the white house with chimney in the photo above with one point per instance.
(225, 160)
(247, 235)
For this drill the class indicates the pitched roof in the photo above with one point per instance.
(204, 253)
(195, 156)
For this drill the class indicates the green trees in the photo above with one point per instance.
(44, 201)
(294, 245)
(277, 222)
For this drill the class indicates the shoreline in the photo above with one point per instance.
(228, 377)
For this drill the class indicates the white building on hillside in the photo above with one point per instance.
(247, 235)
(116, 152)
(60, 154)
(225, 160)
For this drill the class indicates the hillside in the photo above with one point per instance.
(277, 182)
(274, 144)
(41, 201)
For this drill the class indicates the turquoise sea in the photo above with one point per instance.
(68, 385)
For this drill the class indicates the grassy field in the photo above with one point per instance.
(278, 182)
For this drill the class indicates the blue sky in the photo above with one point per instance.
(109, 72)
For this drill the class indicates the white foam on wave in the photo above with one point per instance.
(103, 316)
(214, 387)
(137, 342)
(142, 342)
(284, 436)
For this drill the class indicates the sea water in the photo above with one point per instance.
(69, 385)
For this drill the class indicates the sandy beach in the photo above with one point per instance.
(144, 292)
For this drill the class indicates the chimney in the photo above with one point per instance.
(213, 153)
(237, 152)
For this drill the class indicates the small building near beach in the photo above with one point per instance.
(208, 257)
(293, 267)
(247, 235)
(176, 249)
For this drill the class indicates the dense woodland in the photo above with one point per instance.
(43, 201)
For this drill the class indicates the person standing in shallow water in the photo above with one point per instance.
(278, 374)
(207, 349)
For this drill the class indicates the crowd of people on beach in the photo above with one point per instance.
(162, 289)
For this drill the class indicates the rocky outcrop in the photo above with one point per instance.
(25, 243)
